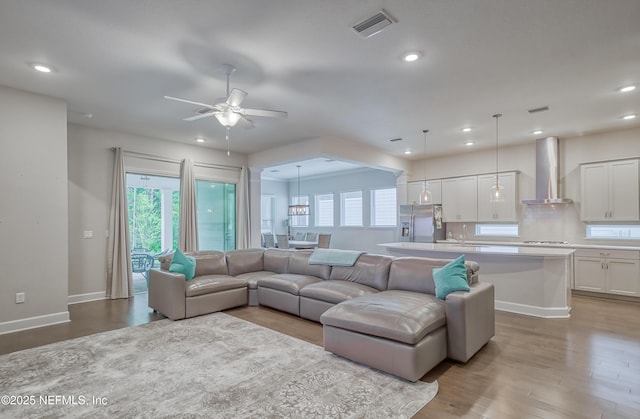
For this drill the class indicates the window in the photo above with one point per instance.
(216, 207)
(153, 204)
(614, 232)
(383, 207)
(300, 220)
(324, 210)
(497, 230)
(351, 209)
(267, 211)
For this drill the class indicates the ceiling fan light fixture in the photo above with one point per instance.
(228, 118)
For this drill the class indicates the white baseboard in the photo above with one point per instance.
(33, 322)
(90, 296)
(545, 312)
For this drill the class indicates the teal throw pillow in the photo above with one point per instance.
(183, 264)
(451, 277)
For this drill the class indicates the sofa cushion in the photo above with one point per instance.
(277, 260)
(185, 265)
(335, 292)
(401, 316)
(210, 262)
(299, 264)
(208, 284)
(451, 277)
(253, 277)
(291, 283)
(244, 260)
(369, 270)
(415, 273)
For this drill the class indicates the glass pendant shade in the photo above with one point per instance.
(425, 196)
(497, 192)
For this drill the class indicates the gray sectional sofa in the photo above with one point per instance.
(381, 311)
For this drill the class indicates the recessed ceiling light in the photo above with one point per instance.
(42, 68)
(411, 56)
(407, 152)
(469, 143)
(466, 129)
(630, 116)
(200, 140)
(626, 89)
(537, 132)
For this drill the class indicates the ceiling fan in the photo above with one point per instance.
(227, 110)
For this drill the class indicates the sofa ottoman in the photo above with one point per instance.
(399, 332)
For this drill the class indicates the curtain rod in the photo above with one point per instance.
(170, 160)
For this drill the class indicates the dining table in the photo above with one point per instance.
(302, 244)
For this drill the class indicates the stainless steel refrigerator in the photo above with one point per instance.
(421, 223)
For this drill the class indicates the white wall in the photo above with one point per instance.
(357, 238)
(90, 172)
(33, 209)
(561, 222)
(280, 191)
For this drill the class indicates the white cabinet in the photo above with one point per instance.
(414, 190)
(610, 191)
(608, 271)
(460, 199)
(504, 211)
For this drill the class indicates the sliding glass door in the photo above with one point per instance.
(216, 206)
(153, 205)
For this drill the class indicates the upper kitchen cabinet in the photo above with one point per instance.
(460, 199)
(505, 210)
(610, 191)
(414, 190)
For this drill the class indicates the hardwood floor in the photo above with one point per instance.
(587, 366)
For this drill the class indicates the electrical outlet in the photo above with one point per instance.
(87, 234)
(20, 297)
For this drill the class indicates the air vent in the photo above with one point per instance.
(393, 140)
(373, 25)
(542, 109)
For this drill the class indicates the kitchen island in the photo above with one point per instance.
(535, 281)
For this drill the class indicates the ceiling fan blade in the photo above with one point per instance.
(206, 105)
(266, 113)
(246, 123)
(236, 97)
(204, 115)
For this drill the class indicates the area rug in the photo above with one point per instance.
(209, 366)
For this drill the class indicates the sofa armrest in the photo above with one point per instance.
(167, 293)
(470, 320)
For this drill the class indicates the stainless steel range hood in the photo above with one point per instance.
(547, 174)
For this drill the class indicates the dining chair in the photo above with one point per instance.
(283, 241)
(268, 240)
(323, 240)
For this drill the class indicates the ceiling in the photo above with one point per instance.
(115, 60)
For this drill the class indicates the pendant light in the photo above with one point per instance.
(425, 196)
(298, 209)
(497, 190)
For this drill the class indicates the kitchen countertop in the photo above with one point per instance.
(552, 245)
(483, 248)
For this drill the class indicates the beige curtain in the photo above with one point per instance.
(244, 219)
(119, 275)
(188, 241)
